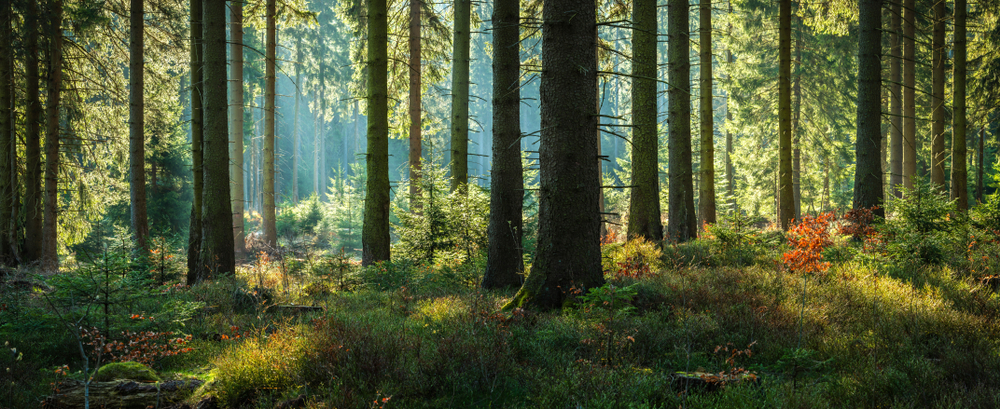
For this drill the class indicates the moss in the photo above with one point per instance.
(125, 370)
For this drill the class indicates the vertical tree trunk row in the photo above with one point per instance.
(706, 195)
(682, 222)
(644, 205)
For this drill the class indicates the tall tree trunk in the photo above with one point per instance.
(32, 141)
(706, 196)
(938, 155)
(896, 101)
(730, 178)
(137, 135)
(644, 205)
(959, 171)
(50, 256)
(217, 255)
(236, 127)
(682, 222)
(7, 142)
(868, 150)
(460, 97)
(270, 60)
(319, 157)
(909, 95)
(568, 258)
(197, 138)
(979, 167)
(416, 127)
(375, 232)
(504, 264)
(295, 119)
(796, 131)
(786, 210)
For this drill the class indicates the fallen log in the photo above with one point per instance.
(121, 394)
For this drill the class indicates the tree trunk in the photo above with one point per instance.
(295, 120)
(959, 171)
(236, 127)
(416, 127)
(938, 155)
(730, 178)
(644, 204)
(7, 142)
(137, 137)
(786, 210)
(50, 256)
(32, 141)
(504, 264)
(375, 232)
(270, 60)
(706, 196)
(979, 167)
(568, 258)
(460, 97)
(796, 131)
(217, 256)
(868, 174)
(909, 95)
(896, 101)
(682, 222)
(197, 137)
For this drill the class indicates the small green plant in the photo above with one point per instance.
(125, 370)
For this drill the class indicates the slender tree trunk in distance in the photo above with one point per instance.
(682, 222)
(416, 126)
(236, 127)
(706, 196)
(938, 155)
(217, 256)
(504, 264)
(7, 142)
(32, 141)
(730, 178)
(568, 258)
(644, 205)
(295, 120)
(137, 137)
(896, 101)
(909, 95)
(460, 97)
(50, 256)
(786, 210)
(868, 174)
(197, 137)
(959, 171)
(979, 167)
(270, 60)
(375, 232)
(796, 131)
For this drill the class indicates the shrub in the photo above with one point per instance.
(636, 258)
(260, 364)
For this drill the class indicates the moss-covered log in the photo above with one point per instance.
(122, 394)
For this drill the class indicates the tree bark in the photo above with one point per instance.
(868, 150)
(137, 137)
(796, 131)
(909, 95)
(938, 155)
(682, 222)
(32, 141)
(217, 256)
(270, 61)
(644, 204)
(786, 202)
(416, 126)
(730, 178)
(375, 232)
(236, 127)
(295, 119)
(706, 196)
(50, 256)
(460, 97)
(568, 259)
(896, 101)
(7, 142)
(979, 167)
(959, 171)
(197, 137)
(504, 264)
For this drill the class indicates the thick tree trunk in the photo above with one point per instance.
(217, 256)
(959, 171)
(236, 127)
(868, 174)
(568, 259)
(197, 138)
(938, 154)
(786, 210)
(706, 196)
(295, 119)
(50, 256)
(375, 233)
(7, 142)
(909, 95)
(682, 222)
(896, 101)
(460, 97)
(32, 141)
(137, 135)
(644, 205)
(270, 61)
(416, 126)
(504, 264)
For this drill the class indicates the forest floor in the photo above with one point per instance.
(712, 323)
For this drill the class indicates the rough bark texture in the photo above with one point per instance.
(375, 232)
(416, 127)
(682, 222)
(568, 258)
(50, 256)
(786, 202)
(270, 61)
(237, 188)
(868, 155)
(136, 134)
(644, 204)
(32, 142)
(460, 97)
(706, 196)
(938, 155)
(504, 264)
(909, 96)
(122, 394)
(197, 136)
(7, 143)
(896, 101)
(217, 256)
(959, 171)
